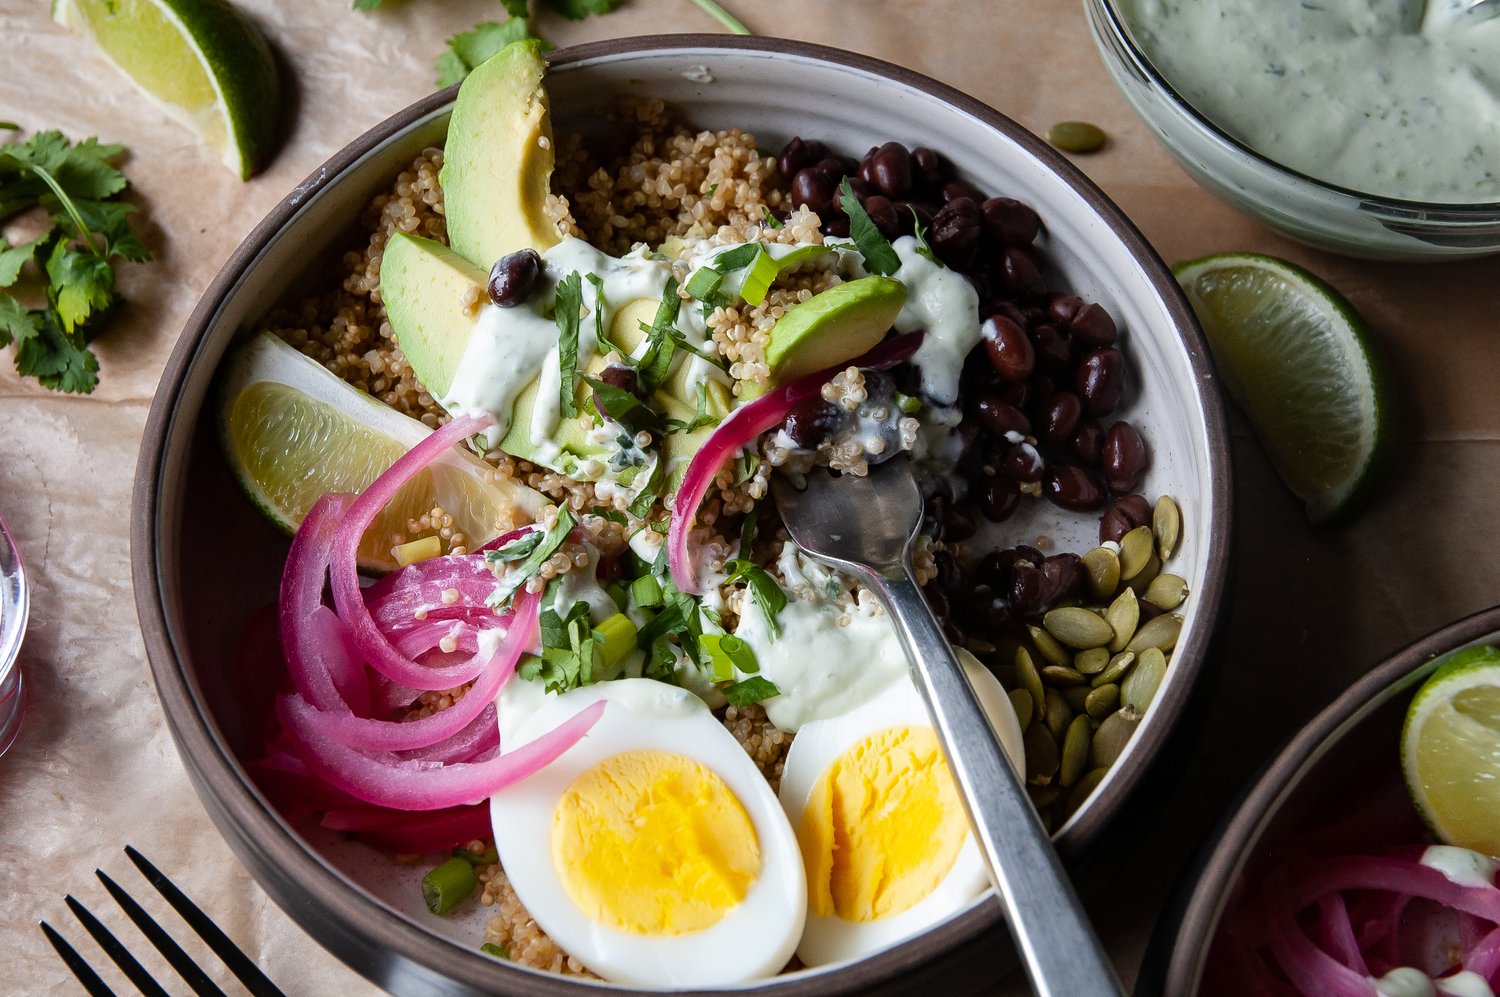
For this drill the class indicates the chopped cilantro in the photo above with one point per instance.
(624, 407)
(662, 664)
(516, 550)
(577, 10)
(613, 515)
(570, 648)
(76, 186)
(568, 310)
(713, 189)
(764, 590)
(879, 257)
(737, 258)
(751, 690)
(921, 236)
(650, 491)
(679, 617)
(470, 48)
(747, 530)
(656, 361)
(703, 417)
(551, 541)
(682, 343)
(771, 219)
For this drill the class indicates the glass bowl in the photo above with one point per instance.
(14, 607)
(1305, 208)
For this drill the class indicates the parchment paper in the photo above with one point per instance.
(94, 767)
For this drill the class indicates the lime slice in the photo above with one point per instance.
(1296, 357)
(292, 431)
(1450, 750)
(200, 61)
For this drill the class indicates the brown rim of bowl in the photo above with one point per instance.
(1190, 930)
(1147, 68)
(258, 829)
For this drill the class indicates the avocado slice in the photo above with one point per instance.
(833, 326)
(497, 164)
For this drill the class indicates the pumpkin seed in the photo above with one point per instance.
(1063, 677)
(1077, 136)
(1092, 661)
(1103, 701)
(1103, 567)
(1041, 754)
(1075, 750)
(1076, 696)
(1115, 671)
(1143, 578)
(1048, 646)
(1123, 616)
(1166, 521)
(978, 645)
(1057, 715)
(1166, 591)
(1020, 701)
(1043, 797)
(1136, 548)
(1112, 736)
(1161, 632)
(1027, 677)
(1139, 688)
(1083, 789)
(1077, 627)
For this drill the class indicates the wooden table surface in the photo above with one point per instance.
(94, 767)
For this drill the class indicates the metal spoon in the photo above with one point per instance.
(14, 607)
(865, 528)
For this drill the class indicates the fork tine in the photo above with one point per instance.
(116, 951)
(76, 964)
(180, 960)
(234, 957)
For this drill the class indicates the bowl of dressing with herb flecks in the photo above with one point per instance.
(1368, 127)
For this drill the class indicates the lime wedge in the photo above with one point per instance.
(1450, 750)
(292, 430)
(1296, 358)
(200, 61)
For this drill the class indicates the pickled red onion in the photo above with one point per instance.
(742, 427)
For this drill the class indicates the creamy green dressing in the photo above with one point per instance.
(1393, 97)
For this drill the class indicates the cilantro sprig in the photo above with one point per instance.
(569, 305)
(880, 257)
(765, 592)
(77, 188)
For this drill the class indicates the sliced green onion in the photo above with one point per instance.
(645, 591)
(490, 948)
(487, 857)
(758, 279)
(619, 593)
(619, 638)
(444, 886)
(704, 282)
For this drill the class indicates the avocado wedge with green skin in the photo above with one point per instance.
(497, 164)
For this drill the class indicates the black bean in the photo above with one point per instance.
(1023, 463)
(1052, 353)
(812, 422)
(833, 168)
(955, 189)
(1093, 325)
(1101, 380)
(1019, 272)
(1125, 515)
(986, 609)
(950, 574)
(1088, 442)
(890, 169)
(1072, 487)
(862, 188)
(619, 376)
(1064, 575)
(1026, 590)
(955, 232)
(1062, 307)
(1010, 221)
(883, 213)
(1123, 457)
(1113, 525)
(797, 155)
(1019, 394)
(968, 434)
(513, 277)
(930, 167)
(813, 188)
(998, 499)
(1001, 418)
(1060, 417)
(956, 525)
(1010, 351)
(937, 601)
(838, 228)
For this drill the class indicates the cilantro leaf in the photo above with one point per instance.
(567, 316)
(879, 257)
(57, 360)
(751, 690)
(656, 361)
(700, 418)
(771, 218)
(470, 48)
(13, 258)
(16, 323)
(577, 10)
(518, 549)
(764, 590)
(737, 258)
(82, 283)
(514, 8)
(650, 490)
(919, 231)
(624, 407)
(551, 541)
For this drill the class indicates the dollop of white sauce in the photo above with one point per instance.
(1404, 981)
(1465, 984)
(944, 304)
(1461, 865)
(821, 669)
(1393, 97)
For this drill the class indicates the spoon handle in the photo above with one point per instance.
(1061, 953)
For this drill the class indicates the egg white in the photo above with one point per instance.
(753, 940)
(828, 939)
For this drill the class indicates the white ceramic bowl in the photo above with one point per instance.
(357, 903)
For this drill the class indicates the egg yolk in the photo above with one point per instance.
(653, 843)
(883, 826)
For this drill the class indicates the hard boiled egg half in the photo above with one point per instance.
(880, 823)
(653, 850)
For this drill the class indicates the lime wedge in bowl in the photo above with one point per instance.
(1296, 357)
(293, 430)
(1450, 750)
(200, 61)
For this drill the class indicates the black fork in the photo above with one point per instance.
(239, 964)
